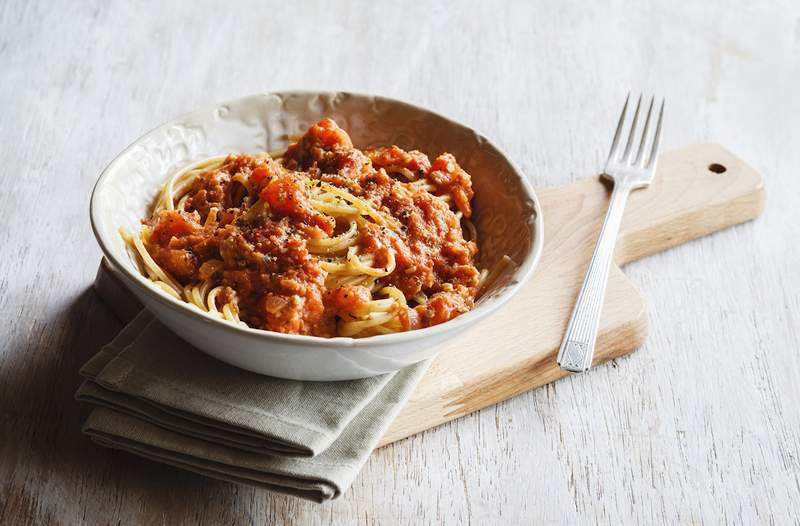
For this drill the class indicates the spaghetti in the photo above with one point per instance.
(323, 239)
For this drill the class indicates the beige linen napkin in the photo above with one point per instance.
(162, 399)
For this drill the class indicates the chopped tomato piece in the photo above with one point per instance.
(349, 300)
(259, 174)
(172, 223)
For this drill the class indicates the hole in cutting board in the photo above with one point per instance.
(717, 168)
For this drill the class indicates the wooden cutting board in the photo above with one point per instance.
(697, 190)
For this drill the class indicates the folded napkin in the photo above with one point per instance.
(162, 399)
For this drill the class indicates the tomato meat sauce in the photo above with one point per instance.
(258, 248)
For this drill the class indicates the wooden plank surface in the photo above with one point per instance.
(700, 425)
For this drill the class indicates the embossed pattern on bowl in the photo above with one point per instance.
(507, 217)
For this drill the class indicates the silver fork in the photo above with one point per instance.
(628, 173)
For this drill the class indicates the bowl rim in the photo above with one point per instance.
(521, 276)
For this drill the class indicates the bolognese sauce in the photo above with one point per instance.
(323, 240)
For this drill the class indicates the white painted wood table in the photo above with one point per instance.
(700, 425)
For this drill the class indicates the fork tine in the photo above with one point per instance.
(613, 152)
(625, 155)
(656, 138)
(646, 129)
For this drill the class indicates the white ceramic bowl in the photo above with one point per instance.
(507, 216)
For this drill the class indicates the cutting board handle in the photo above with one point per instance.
(697, 190)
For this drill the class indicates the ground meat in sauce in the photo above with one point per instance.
(261, 254)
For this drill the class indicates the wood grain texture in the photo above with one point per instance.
(699, 426)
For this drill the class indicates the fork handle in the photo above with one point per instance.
(577, 348)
